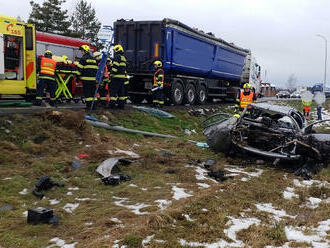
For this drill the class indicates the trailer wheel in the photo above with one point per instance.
(190, 95)
(177, 94)
(137, 99)
(201, 95)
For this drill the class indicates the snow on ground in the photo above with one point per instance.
(7, 178)
(25, 213)
(128, 153)
(178, 193)
(277, 214)
(132, 185)
(235, 171)
(70, 207)
(61, 243)
(163, 204)
(309, 183)
(23, 192)
(289, 193)
(313, 202)
(147, 240)
(203, 185)
(317, 237)
(75, 188)
(235, 226)
(85, 199)
(135, 208)
(116, 220)
(187, 217)
(200, 175)
(54, 201)
(69, 193)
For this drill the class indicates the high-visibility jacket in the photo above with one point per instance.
(159, 78)
(88, 68)
(47, 68)
(246, 99)
(118, 69)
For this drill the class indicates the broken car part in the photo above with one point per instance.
(44, 183)
(42, 215)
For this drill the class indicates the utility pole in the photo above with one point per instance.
(325, 62)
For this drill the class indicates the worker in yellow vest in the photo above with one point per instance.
(46, 70)
(246, 97)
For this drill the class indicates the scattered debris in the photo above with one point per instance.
(128, 153)
(44, 183)
(6, 207)
(178, 193)
(81, 156)
(218, 175)
(70, 207)
(42, 215)
(76, 164)
(106, 166)
(209, 162)
(170, 171)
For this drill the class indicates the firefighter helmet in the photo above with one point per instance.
(84, 48)
(48, 53)
(64, 57)
(118, 48)
(247, 86)
(158, 64)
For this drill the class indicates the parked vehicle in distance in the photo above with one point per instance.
(283, 94)
(295, 94)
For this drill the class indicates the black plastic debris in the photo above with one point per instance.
(44, 183)
(209, 162)
(218, 175)
(111, 180)
(307, 170)
(42, 215)
(6, 207)
(170, 171)
(76, 164)
(124, 177)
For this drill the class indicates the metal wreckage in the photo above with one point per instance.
(272, 132)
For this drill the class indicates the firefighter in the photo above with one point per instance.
(118, 78)
(246, 97)
(46, 70)
(158, 85)
(88, 68)
(306, 108)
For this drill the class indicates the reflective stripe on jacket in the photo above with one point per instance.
(88, 68)
(246, 99)
(118, 69)
(159, 78)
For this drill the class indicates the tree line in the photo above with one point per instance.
(51, 17)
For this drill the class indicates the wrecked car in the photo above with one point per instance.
(279, 133)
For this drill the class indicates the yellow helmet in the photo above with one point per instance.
(48, 52)
(84, 48)
(64, 57)
(247, 86)
(118, 48)
(158, 64)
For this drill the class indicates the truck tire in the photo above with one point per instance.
(177, 94)
(190, 95)
(201, 95)
(136, 99)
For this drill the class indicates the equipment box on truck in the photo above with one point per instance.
(198, 66)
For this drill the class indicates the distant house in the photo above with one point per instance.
(267, 89)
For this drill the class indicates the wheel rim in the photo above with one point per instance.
(202, 95)
(191, 95)
(177, 95)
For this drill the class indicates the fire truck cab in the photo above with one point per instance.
(17, 57)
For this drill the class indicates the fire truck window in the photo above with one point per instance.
(13, 51)
(28, 38)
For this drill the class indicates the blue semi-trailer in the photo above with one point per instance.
(198, 66)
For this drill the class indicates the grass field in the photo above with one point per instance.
(169, 202)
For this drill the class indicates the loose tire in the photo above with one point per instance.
(177, 94)
(190, 95)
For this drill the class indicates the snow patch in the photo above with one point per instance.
(313, 202)
(163, 204)
(75, 188)
(187, 217)
(203, 185)
(85, 199)
(178, 193)
(135, 208)
(288, 194)
(309, 183)
(238, 171)
(7, 178)
(25, 213)
(69, 193)
(132, 185)
(23, 192)
(147, 240)
(116, 220)
(277, 214)
(70, 207)
(54, 201)
(61, 243)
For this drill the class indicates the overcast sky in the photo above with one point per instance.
(280, 33)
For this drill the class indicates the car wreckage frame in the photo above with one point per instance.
(274, 132)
